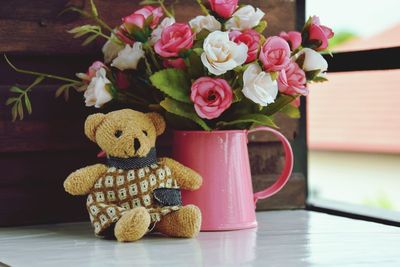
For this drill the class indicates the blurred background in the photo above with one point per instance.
(354, 119)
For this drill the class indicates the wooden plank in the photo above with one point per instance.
(40, 21)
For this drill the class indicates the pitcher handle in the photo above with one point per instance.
(287, 169)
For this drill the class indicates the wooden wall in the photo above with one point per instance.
(38, 153)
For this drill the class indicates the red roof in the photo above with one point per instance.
(390, 37)
(358, 111)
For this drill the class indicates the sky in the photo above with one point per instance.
(362, 17)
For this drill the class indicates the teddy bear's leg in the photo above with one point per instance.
(132, 225)
(184, 222)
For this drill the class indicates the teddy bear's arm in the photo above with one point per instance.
(81, 181)
(187, 178)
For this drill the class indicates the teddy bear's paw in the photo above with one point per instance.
(133, 225)
(185, 222)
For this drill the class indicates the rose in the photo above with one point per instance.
(205, 22)
(224, 8)
(211, 97)
(91, 72)
(110, 50)
(275, 54)
(220, 54)
(129, 57)
(258, 85)
(319, 33)
(313, 61)
(251, 39)
(156, 33)
(292, 80)
(178, 63)
(244, 18)
(173, 39)
(97, 93)
(293, 38)
(138, 18)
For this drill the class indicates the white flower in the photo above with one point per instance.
(220, 54)
(244, 18)
(205, 22)
(258, 85)
(110, 50)
(129, 57)
(96, 93)
(313, 61)
(156, 34)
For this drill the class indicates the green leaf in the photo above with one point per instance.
(20, 110)
(279, 103)
(195, 67)
(261, 26)
(202, 34)
(11, 100)
(14, 112)
(89, 39)
(291, 111)
(183, 110)
(237, 95)
(320, 79)
(312, 74)
(16, 89)
(259, 119)
(28, 104)
(172, 82)
(149, 2)
(94, 9)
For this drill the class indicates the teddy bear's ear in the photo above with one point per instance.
(158, 121)
(91, 124)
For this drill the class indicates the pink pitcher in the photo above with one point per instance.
(226, 197)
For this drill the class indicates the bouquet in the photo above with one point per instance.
(217, 71)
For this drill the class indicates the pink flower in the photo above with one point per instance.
(292, 80)
(251, 39)
(321, 33)
(275, 54)
(91, 72)
(94, 68)
(139, 17)
(178, 63)
(224, 8)
(211, 97)
(173, 39)
(293, 38)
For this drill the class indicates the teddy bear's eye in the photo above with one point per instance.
(118, 133)
(145, 132)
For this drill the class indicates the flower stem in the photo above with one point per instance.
(203, 7)
(50, 76)
(166, 11)
(152, 55)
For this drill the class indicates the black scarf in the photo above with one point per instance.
(133, 162)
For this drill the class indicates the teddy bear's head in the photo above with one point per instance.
(125, 133)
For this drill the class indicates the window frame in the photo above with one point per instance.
(348, 61)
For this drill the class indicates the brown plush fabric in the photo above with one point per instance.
(124, 198)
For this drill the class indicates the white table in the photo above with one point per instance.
(283, 238)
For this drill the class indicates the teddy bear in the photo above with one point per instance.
(134, 192)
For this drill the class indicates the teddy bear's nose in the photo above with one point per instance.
(136, 144)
